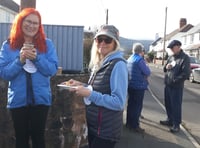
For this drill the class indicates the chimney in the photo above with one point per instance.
(182, 22)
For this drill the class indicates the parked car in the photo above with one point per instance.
(194, 62)
(195, 75)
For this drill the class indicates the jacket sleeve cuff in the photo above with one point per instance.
(87, 101)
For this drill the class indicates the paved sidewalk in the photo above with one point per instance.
(156, 135)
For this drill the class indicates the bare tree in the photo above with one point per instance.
(27, 3)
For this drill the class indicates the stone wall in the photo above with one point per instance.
(66, 124)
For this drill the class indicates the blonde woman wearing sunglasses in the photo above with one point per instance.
(105, 93)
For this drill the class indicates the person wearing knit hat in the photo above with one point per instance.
(138, 82)
(106, 91)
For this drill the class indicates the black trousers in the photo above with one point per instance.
(96, 142)
(29, 122)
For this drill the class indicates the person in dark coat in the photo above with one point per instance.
(177, 70)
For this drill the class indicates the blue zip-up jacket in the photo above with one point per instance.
(138, 72)
(12, 70)
(118, 83)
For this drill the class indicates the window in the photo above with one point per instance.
(184, 40)
(199, 36)
(191, 38)
(6, 17)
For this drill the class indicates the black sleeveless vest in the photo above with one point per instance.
(103, 122)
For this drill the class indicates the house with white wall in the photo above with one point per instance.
(157, 47)
(191, 41)
(177, 34)
(8, 10)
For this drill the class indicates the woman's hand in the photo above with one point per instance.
(22, 56)
(79, 88)
(73, 82)
(27, 53)
(81, 91)
(30, 54)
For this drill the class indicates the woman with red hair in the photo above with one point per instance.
(27, 61)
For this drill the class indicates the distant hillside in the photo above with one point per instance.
(126, 44)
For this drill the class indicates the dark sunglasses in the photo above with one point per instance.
(106, 40)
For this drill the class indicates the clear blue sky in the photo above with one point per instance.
(140, 19)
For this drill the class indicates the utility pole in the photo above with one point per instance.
(164, 38)
(106, 16)
(27, 4)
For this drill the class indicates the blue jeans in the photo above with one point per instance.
(134, 108)
(173, 104)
